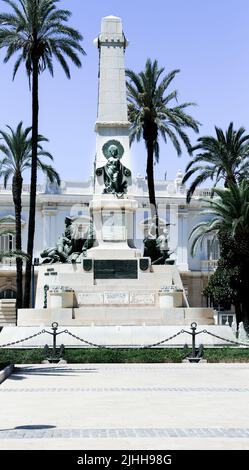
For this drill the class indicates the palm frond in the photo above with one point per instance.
(54, 37)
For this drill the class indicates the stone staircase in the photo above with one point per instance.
(7, 312)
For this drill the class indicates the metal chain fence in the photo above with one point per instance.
(85, 341)
(225, 339)
(22, 340)
(145, 346)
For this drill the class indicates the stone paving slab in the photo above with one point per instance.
(119, 406)
(125, 432)
(126, 389)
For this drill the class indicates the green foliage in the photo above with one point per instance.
(223, 286)
(35, 356)
(21, 356)
(227, 354)
(151, 114)
(38, 30)
(95, 356)
(16, 154)
(228, 213)
(229, 221)
(150, 110)
(220, 158)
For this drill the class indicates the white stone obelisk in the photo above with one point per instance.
(112, 120)
(112, 211)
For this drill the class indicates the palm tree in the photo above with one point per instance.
(16, 150)
(223, 157)
(229, 212)
(151, 114)
(229, 221)
(37, 30)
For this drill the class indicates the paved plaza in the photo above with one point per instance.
(126, 406)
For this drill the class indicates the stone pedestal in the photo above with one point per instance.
(113, 219)
(170, 299)
(60, 298)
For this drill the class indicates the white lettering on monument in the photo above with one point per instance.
(91, 298)
(143, 299)
(116, 297)
(135, 298)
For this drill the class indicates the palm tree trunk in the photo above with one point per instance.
(151, 184)
(32, 204)
(230, 179)
(17, 195)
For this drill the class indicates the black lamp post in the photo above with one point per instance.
(36, 262)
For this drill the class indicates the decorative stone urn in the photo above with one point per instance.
(60, 297)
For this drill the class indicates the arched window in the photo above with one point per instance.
(8, 294)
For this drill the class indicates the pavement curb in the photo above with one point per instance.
(6, 372)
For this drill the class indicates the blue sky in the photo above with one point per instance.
(207, 40)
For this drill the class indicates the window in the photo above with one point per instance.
(7, 242)
(8, 294)
(226, 318)
(213, 250)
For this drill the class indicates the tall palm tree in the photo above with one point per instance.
(223, 157)
(37, 30)
(151, 115)
(15, 158)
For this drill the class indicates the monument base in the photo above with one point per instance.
(111, 292)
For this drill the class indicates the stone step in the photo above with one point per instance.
(110, 315)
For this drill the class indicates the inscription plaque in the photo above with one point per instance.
(115, 269)
(116, 297)
(91, 298)
(142, 299)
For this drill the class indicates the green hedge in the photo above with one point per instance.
(35, 356)
(227, 354)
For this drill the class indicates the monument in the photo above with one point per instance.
(96, 276)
